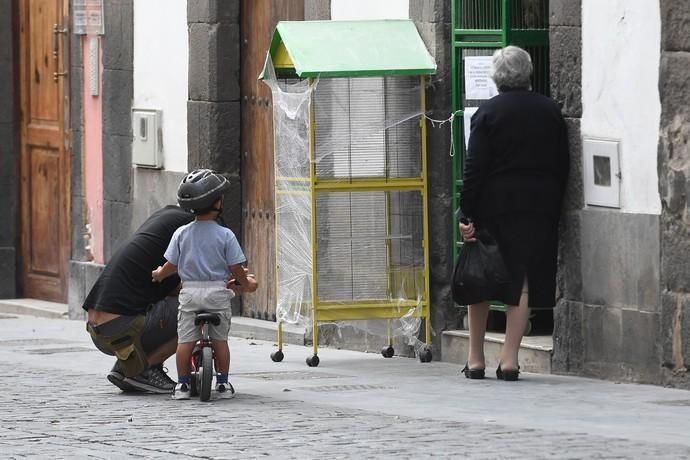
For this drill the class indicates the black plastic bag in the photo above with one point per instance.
(480, 271)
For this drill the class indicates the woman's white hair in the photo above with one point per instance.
(511, 68)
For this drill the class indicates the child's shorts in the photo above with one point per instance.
(209, 296)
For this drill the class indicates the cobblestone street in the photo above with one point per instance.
(56, 403)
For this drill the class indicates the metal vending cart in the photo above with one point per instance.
(479, 27)
(350, 178)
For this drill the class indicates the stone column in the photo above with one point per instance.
(117, 95)
(565, 49)
(674, 188)
(9, 153)
(317, 10)
(117, 51)
(433, 22)
(213, 109)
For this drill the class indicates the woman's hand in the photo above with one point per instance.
(467, 232)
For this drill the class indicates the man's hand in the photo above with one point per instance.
(243, 284)
(250, 286)
(156, 275)
(163, 272)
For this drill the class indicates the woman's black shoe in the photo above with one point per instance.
(508, 376)
(473, 373)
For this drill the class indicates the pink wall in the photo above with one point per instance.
(93, 157)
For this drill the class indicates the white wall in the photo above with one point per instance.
(620, 94)
(370, 9)
(161, 53)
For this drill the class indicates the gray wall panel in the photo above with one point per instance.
(620, 259)
(153, 189)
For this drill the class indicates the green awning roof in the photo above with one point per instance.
(350, 48)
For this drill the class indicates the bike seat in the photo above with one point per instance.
(204, 317)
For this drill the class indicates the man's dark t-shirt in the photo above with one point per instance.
(125, 286)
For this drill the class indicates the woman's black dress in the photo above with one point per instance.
(513, 184)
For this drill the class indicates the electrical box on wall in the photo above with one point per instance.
(147, 146)
(602, 174)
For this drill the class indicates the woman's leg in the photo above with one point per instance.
(516, 322)
(477, 315)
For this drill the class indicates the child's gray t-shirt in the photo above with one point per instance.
(203, 250)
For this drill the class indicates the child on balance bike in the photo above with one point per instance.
(208, 260)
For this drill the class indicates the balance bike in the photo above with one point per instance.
(202, 361)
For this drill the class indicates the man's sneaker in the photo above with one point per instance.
(162, 374)
(181, 391)
(152, 379)
(117, 378)
(225, 390)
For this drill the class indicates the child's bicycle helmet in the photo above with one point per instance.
(200, 189)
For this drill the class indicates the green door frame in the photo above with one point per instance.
(478, 28)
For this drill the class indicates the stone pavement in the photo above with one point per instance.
(56, 403)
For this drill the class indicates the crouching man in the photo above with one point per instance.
(130, 317)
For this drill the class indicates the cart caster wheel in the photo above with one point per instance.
(313, 361)
(277, 356)
(425, 355)
(466, 322)
(528, 327)
(387, 352)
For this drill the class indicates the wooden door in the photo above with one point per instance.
(259, 18)
(44, 161)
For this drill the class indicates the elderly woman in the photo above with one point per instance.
(514, 179)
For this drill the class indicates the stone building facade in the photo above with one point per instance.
(624, 278)
(624, 303)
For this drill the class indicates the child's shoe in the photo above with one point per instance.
(181, 391)
(225, 390)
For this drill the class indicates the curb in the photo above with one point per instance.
(243, 327)
(250, 328)
(33, 307)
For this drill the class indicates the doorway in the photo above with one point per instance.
(259, 18)
(479, 28)
(44, 161)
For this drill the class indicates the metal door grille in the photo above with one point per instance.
(478, 14)
(489, 14)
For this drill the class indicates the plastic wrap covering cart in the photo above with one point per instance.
(350, 179)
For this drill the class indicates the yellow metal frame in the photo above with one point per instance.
(425, 207)
(282, 59)
(314, 244)
(363, 309)
(368, 184)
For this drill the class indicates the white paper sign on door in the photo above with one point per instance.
(467, 117)
(478, 83)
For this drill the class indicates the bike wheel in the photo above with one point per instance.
(196, 361)
(206, 373)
